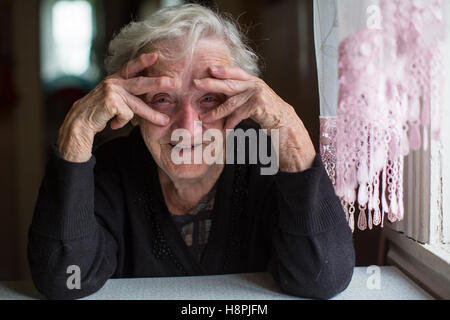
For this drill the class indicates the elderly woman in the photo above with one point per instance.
(128, 210)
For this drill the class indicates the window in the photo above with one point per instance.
(67, 32)
(420, 244)
(72, 35)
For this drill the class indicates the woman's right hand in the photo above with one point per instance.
(115, 97)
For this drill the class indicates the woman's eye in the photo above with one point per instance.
(162, 100)
(212, 100)
(209, 99)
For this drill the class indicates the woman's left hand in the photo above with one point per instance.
(250, 97)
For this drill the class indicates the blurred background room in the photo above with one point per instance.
(51, 54)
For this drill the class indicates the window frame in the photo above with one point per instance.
(420, 245)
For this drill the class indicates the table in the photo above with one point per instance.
(393, 285)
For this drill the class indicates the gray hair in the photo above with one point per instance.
(186, 23)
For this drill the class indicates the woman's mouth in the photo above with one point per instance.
(183, 147)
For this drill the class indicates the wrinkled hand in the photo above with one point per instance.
(250, 97)
(115, 97)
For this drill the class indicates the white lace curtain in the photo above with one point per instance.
(381, 82)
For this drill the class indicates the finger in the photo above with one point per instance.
(143, 85)
(229, 72)
(229, 87)
(225, 109)
(123, 116)
(236, 117)
(113, 107)
(143, 110)
(133, 67)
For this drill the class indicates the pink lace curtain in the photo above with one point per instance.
(381, 82)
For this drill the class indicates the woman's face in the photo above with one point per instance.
(183, 105)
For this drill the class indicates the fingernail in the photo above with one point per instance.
(215, 68)
(165, 119)
(151, 56)
(148, 55)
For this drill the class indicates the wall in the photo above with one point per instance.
(281, 31)
(21, 132)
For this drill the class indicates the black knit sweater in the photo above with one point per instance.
(108, 217)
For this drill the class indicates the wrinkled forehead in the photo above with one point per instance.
(207, 52)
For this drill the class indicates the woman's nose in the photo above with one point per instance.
(187, 118)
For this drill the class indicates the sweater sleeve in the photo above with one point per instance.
(312, 253)
(66, 238)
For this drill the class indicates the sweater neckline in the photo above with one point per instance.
(213, 259)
